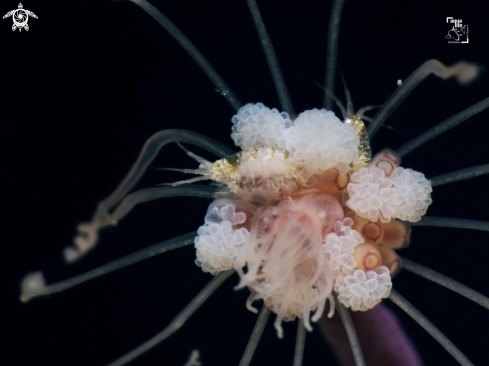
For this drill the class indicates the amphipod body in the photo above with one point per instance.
(303, 212)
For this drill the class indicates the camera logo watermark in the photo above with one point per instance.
(20, 17)
(458, 33)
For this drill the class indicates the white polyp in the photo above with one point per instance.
(218, 242)
(415, 191)
(362, 290)
(339, 245)
(257, 126)
(404, 194)
(318, 140)
(243, 205)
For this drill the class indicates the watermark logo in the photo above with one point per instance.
(20, 17)
(459, 33)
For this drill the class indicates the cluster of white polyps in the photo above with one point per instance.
(404, 194)
(257, 126)
(358, 289)
(316, 139)
(217, 242)
(340, 245)
(362, 290)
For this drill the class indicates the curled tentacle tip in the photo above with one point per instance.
(243, 282)
(84, 241)
(87, 236)
(468, 72)
(71, 254)
(252, 309)
(280, 331)
(308, 326)
(33, 284)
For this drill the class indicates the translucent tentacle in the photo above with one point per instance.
(332, 51)
(255, 336)
(176, 323)
(186, 181)
(446, 282)
(338, 103)
(442, 127)
(378, 326)
(193, 52)
(330, 95)
(350, 332)
(88, 232)
(429, 327)
(273, 64)
(462, 174)
(362, 110)
(453, 223)
(34, 285)
(194, 359)
(350, 110)
(151, 194)
(463, 71)
(300, 343)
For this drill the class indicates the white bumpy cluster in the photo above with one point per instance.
(405, 194)
(340, 245)
(358, 289)
(362, 290)
(218, 242)
(316, 139)
(257, 126)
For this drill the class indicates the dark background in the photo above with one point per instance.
(91, 80)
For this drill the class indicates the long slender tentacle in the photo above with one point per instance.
(193, 52)
(255, 336)
(429, 327)
(332, 52)
(381, 336)
(300, 343)
(462, 174)
(446, 282)
(453, 223)
(442, 127)
(463, 71)
(193, 360)
(176, 323)
(151, 194)
(88, 232)
(278, 79)
(33, 284)
(350, 332)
